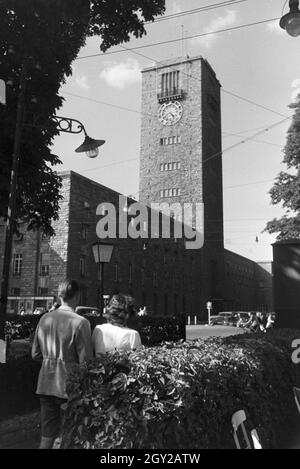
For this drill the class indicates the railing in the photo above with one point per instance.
(170, 95)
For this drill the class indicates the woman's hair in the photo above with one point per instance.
(119, 308)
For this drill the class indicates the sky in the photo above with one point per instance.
(259, 63)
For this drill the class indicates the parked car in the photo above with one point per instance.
(225, 318)
(87, 311)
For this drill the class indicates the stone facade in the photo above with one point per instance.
(248, 285)
(199, 153)
(159, 272)
(195, 143)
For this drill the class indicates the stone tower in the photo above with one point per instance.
(181, 150)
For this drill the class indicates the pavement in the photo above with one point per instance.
(195, 332)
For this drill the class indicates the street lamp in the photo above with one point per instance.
(291, 21)
(64, 124)
(102, 254)
(90, 146)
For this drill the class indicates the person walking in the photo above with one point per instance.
(115, 335)
(270, 321)
(260, 322)
(62, 338)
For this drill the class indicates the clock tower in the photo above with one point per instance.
(181, 150)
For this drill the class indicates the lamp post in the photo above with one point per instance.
(64, 124)
(90, 146)
(102, 255)
(291, 21)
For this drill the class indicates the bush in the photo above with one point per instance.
(157, 329)
(18, 379)
(21, 327)
(182, 396)
(153, 329)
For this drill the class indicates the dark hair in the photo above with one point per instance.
(119, 308)
(68, 289)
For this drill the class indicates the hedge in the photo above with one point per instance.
(153, 329)
(18, 377)
(21, 327)
(18, 380)
(182, 396)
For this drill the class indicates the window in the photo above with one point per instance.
(82, 269)
(166, 303)
(174, 192)
(44, 270)
(154, 279)
(82, 295)
(84, 232)
(143, 276)
(155, 303)
(170, 82)
(172, 140)
(172, 166)
(17, 266)
(44, 264)
(16, 292)
(43, 291)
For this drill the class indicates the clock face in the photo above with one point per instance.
(170, 113)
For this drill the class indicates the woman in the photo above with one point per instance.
(115, 335)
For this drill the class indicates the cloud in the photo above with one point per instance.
(296, 90)
(119, 75)
(81, 81)
(274, 27)
(221, 22)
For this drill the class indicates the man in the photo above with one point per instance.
(61, 339)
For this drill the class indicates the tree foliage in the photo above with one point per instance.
(286, 189)
(46, 36)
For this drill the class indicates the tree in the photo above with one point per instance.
(46, 36)
(286, 189)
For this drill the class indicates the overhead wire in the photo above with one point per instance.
(170, 41)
